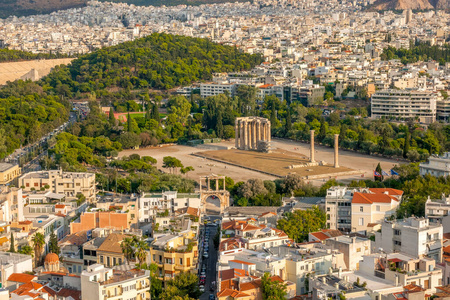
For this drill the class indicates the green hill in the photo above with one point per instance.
(29, 110)
(159, 61)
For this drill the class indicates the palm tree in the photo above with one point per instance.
(38, 244)
(141, 251)
(127, 246)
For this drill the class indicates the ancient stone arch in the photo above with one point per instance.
(222, 194)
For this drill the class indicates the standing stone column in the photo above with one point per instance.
(208, 184)
(236, 134)
(263, 131)
(255, 138)
(336, 150)
(246, 135)
(217, 184)
(250, 135)
(269, 133)
(311, 148)
(241, 136)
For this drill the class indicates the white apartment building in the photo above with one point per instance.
(353, 249)
(404, 105)
(152, 203)
(412, 236)
(213, 89)
(69, 184)
(14, 263)
(100, 283)
(436, 165)
(11, 204)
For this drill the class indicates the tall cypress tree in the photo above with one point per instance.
(406, 145)
(129, 125)
(219, 125)
(379, 171)
(12, 247)
(155, 113)
(112, 120)
(288, 125)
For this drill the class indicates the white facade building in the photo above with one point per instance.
(153, 203)
(436, 166)
(404, 105)
(412, 236)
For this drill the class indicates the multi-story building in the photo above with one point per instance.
(11, 204)
(256, 236)
(413, 236)
(309, 95)
(404, 105)
(9, 172)
(151, 204)
(100, 283)
(214, 89)
(354, 209)
(443, 110)
(373, 206)
(101, 219)
(402, 270)
(436, 166)
(174, 254)
(353, 249)
(69, 184)
(338, 207)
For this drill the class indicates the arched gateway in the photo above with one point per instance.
(221, 193)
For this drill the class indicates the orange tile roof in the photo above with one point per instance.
(232, 273)
(367, 198)
(242, 262)
(265, 86)
(392, 192)
(20, 277)
(49, 291)
(320, 235)
(413, 288)
(60, 206)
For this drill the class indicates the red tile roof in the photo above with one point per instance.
(392, 192)
(320, 235)
(367, 198)
(75, 294)
(20, 277)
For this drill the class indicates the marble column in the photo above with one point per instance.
(245, 135)
(336, 150)
(236, 134)
(269, 133)
(217, 184)
(241, 136)
(311, 148)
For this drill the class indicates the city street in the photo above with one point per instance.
(211, 261)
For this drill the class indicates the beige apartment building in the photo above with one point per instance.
(9, 172)
(100, 283)
(373, 207)
(68, 183)
(174, 254)
(11, 205)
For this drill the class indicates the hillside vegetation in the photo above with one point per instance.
(160, 61)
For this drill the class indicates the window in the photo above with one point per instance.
(27, 184)
(181, 261)
(361, 209)
(101, 259)
(328, 209)
(397, 232)
(361, 221)
(36, 184)
(378, 208)
(397, 243)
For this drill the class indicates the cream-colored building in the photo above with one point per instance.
(100, 283)
(11, 205)
(353, 249)
(174, 254)
(68, 183)
(9, 172)
(373, 206)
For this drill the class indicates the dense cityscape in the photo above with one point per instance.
(263, 150)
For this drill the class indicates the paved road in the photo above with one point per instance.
(211, 262)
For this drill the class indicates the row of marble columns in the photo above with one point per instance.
(248, 133)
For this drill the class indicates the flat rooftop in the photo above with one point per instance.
(5, 166)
